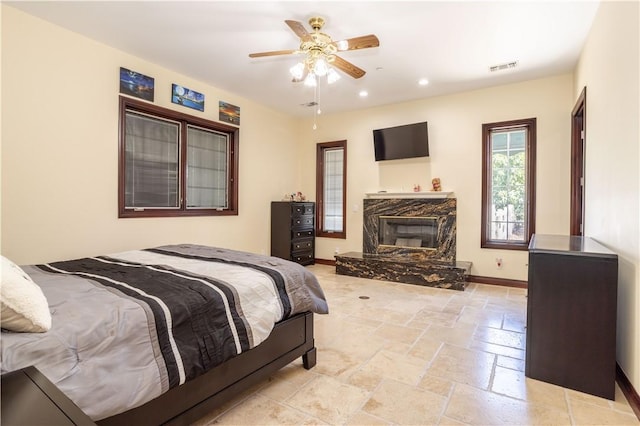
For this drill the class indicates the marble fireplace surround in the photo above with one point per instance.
(428, 267)
(443, 210)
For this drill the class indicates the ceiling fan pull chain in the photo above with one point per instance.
(316, 101)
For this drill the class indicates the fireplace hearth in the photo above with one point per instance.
(408, 240)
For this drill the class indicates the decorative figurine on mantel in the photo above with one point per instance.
(416, 187)
(435, 182)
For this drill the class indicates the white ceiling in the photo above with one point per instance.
(450, 43)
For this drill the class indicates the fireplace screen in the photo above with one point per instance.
(408, 231)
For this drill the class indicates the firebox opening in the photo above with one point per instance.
(408, 231)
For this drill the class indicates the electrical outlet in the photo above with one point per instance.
(498, 263)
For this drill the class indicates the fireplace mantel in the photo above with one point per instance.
(421, 194)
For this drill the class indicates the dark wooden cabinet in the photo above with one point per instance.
(29, 398)
(571, 314)
(293, 231)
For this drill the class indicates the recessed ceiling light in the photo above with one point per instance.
(363, 93)
(423, 82)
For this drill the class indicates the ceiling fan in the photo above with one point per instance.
(320, 51)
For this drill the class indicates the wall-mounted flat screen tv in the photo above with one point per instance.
(408, 141)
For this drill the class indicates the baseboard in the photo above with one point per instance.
(497, 281)
(326, 262)
(628, 390)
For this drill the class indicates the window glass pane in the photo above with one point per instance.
(333, 190)
(499, 141)
(499, 177)
(517, 139)
(516, 231)
(207, 173)
(151, 162)
(508, 180)
(498, 230)
(500, 160)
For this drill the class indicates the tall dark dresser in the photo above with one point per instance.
(292, 231)
(571, 314)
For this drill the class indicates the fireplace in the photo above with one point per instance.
(408, 232)
(408, 240)
(422, 229)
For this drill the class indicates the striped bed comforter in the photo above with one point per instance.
(128, 327)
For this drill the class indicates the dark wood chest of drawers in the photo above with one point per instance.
(571, 314)
(293, 231)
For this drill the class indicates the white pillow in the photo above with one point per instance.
(24, 307)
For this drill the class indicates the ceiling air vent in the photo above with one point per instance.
(505, 66)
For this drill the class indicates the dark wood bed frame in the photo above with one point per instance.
(191, 401)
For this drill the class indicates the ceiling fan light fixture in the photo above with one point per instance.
(320, 68)
(297, 71)
(317, 45)
(342, 45)
(332, 76)
(310, 80)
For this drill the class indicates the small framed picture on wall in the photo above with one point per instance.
(186, 97)
(136, 84)
(229, 113)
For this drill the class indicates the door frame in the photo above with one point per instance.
(578, 142)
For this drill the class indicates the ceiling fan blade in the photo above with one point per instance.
(299, 29)
(347, 67)
(272, 53)
(362, 42)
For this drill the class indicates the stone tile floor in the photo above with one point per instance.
(411, 355)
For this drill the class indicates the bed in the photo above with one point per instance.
(163, 335)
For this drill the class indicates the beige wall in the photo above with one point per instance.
(609, 68)
(60, 147)
(455, 144)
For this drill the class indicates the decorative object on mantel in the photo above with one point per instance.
(135, 84)
(229, 113)
(186, 97)
(416, 187)
(294, 196)
(421, 194)
(435, 182)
